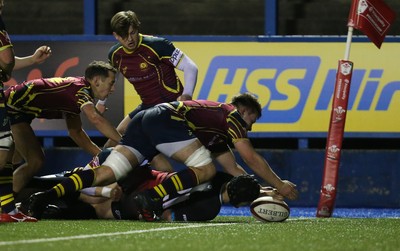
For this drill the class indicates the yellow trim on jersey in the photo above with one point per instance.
(176, 118)
(5, 47)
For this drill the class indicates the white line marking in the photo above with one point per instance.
(87, 236)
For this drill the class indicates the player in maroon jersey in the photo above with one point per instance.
(149, 64)
(8, 63)
(57, 98)
(172, 129)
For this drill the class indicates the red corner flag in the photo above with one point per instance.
(372, 17)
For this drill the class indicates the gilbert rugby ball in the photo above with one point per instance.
(268, 209)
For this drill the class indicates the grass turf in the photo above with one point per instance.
(224, 233)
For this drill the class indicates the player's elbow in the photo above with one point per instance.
(194, 69)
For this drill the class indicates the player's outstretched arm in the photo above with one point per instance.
(228, 162)
(261, 167)
(79, 136)
(101, 123)
(39, 56)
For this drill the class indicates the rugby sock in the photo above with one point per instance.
(180, 181)
(74, 183)
(6, 189)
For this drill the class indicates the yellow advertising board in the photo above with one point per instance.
(295, 80)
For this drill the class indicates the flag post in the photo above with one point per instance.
(348, 43)
(373, 18)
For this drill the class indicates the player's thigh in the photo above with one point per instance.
(161, 163)
(186, 150)
(26, 142)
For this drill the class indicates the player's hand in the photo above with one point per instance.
(270, 191)
(184, 97)
(41, 54)
(116, 193)
(288, 189)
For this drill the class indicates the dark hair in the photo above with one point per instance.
(121, 22)
(98, 68)
(247, 100)
(241, 189)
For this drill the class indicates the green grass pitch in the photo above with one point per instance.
(223, 233)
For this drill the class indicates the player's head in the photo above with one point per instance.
(242, 190)
(99, 68)
(248, 107)
(101, 76)
(248, 100)
(122, 21)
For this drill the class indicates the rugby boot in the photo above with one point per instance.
(18, 217)
(37, 204)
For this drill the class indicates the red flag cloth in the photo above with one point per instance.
(371, 17)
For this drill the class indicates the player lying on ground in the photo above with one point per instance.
(201, 203)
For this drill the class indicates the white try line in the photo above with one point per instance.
(87, 236)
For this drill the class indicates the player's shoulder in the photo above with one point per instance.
(114, 48)
(154, 40)
(162, 46)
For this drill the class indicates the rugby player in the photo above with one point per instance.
(181, 130)
(149, 63)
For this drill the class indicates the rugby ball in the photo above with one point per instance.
(268, 209)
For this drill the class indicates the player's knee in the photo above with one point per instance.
(118, 166)
(201, 163)
(35, 163)
(205, 173)
(104, 175)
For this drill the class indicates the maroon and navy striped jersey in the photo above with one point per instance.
(49, 97)
(150, 69)
(215, 124)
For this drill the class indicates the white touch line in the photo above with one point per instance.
(87, 236)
